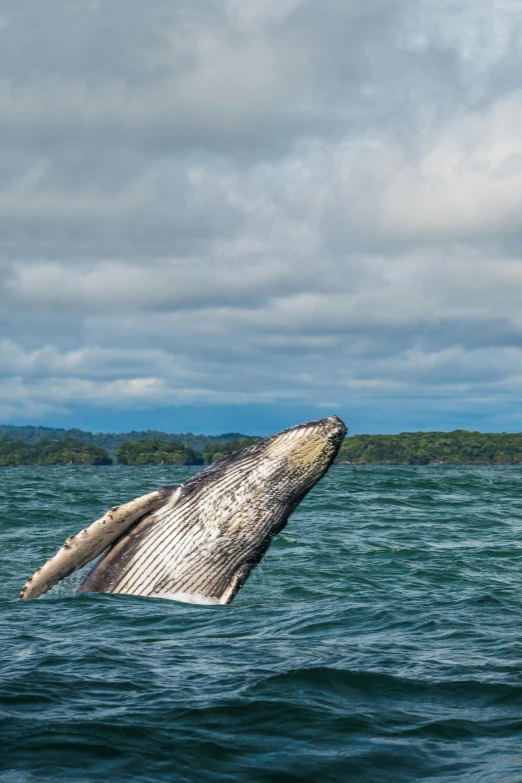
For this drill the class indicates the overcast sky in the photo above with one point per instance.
(242, 214)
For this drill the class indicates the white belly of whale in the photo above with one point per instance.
(188, 598)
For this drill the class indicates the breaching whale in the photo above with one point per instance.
(198, 541)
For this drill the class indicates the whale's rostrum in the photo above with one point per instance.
(198, 541)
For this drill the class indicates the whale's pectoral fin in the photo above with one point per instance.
(91, 542)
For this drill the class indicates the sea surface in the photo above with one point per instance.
(380, 640)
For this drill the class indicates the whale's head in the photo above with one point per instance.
(271, 478)
(301, 455)
(307, 450)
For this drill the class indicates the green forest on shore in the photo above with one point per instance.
(407, 448)
(157, 452)
(51, 452)
(67, 451)
(111, 441)
(433, 448)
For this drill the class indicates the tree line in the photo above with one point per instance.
(433, 448)
(68, 451)
(408, 448)
(111, 441)
(65, 451)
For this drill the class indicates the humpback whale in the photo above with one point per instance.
(198, 541)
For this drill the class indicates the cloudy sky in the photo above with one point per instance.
(240, 214)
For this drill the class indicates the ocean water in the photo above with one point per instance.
(380, 640)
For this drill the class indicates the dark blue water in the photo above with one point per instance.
(379, 640)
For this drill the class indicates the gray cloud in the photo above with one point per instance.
(259, 202)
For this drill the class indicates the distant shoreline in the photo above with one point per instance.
(427, 464)
(68, 451)
(200, 465)
(112, 441)
(460, 447)
(28, 445)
